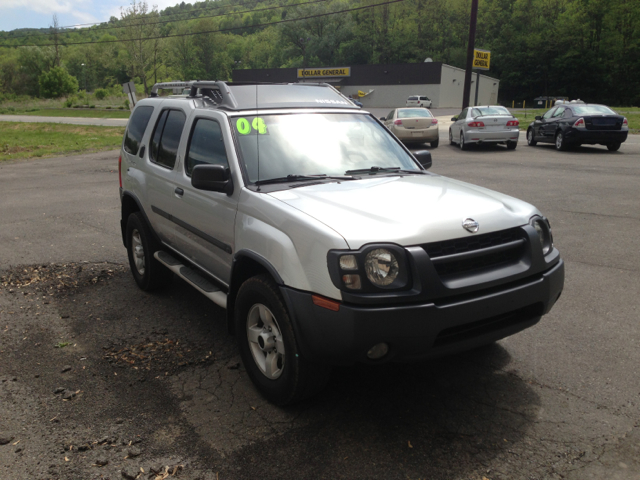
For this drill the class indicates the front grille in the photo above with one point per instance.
(447, 258)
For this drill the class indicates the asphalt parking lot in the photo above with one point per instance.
(152, 382)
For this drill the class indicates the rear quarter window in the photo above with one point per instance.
(135, 130)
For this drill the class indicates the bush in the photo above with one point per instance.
(101, 93)
(92, 106)
(57, 83)
(126, 104)
(68, 103)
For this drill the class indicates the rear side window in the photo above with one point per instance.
(166, 138)
(413, 98)
(135, 130)
(206, 146)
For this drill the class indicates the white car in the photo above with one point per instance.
(323, 237)
(484, 124)
(418, 101)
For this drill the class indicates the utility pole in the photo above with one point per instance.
(470, 48)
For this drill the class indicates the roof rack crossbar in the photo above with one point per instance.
(168, 85)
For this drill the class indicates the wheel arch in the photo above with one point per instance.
(130, 204)
(246, 264)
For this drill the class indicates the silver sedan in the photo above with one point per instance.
(484, 124)
(413, 125)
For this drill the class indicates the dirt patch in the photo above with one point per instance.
(57, 278)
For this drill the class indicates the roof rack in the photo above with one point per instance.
(241, 96)
(217, 91)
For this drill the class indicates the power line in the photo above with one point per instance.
(201, 9)
(31, 35)
(219, 30)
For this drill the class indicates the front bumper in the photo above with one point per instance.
(423, 330)
(593, 137)
(489, 136)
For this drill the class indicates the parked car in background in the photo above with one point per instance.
(418, 101)
(576, 124)
(484, 124)
(413, 125)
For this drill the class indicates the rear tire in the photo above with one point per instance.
(531, 141)
(462, 145)
(148, 272)
(512, 145)
(614, 147)
(561, 144)
(268, 346)
(435, 143)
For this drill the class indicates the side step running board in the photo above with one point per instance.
(193, 278)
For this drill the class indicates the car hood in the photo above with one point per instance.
(407, 210)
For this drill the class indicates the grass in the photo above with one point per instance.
(27, 140)
(77, 112)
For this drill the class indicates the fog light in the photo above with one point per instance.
(378, 351)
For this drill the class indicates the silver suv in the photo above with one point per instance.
(323, 237)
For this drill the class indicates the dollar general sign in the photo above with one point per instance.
(481, 59)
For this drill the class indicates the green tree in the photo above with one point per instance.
(57, 83)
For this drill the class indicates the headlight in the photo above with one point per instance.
(381, 267)
(371, 269)
(544, 234)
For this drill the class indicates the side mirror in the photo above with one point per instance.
(382, 118)
(213, 178)
(424, 158)
(538, 117)
(454, 119)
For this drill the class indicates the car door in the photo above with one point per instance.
(388, 122)
(457, 125)
(205, 232)
(542, 131)
(161, 173)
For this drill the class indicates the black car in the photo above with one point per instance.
(575, 124)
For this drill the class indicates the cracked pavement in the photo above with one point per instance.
(156, 381)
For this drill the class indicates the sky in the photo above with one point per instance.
(39, 13)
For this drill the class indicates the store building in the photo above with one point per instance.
(386, 86)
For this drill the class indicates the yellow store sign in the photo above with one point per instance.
(481, 59)
(324, 72)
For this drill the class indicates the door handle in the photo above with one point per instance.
(178, 191)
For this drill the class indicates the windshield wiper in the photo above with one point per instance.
(383, 170)
(304, 178)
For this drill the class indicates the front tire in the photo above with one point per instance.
(531, 141)
(148, 273)
(614, 147)
(561, 144)
(268, 347)
(450, 137)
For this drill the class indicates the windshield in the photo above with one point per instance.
(592, 110)
(274, 146)
(413, 113)
(483, 111)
